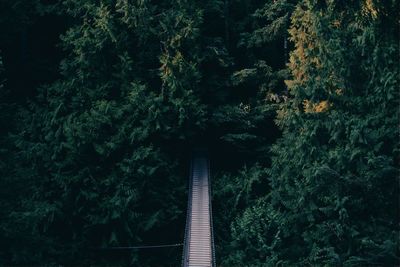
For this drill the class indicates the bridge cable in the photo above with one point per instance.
(143, 247)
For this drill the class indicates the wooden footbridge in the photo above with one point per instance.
(198, 248)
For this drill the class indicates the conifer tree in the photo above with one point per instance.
(99, 157)
(334, 172)
(257, 32)
(98, 140)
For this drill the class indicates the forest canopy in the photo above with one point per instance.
(103, 101)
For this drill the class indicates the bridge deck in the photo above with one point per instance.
(198, 241)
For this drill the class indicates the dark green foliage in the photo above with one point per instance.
(232, 195)
(94, 152)
(272, 20)
(334, 173)
(256, 76)
(96, 144)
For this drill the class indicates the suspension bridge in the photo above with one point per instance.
(198, 245)
(198, 248)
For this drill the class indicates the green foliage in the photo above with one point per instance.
(272, 20)
(334, 172)
(96, 143)
(233, 194)
(97, 158)
(255, 77)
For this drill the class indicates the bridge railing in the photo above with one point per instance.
(211, 217)
(186, 242)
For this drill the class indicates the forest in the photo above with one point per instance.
(103, 101)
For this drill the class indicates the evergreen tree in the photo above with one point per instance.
(97, 155)
(257, 46)
(245, 121)
(97, 143)
(333, 177)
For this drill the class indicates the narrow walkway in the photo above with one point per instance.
(198, 247)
